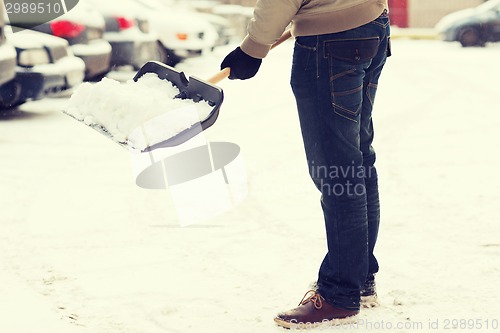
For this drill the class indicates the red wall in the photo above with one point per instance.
(398, 13)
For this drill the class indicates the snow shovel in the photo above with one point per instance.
(194, 89)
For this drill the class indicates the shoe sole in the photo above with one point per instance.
(368, 302)
(324, 324)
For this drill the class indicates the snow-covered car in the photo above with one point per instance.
(182, 33)
(45, 66)
(128, 33)
(223, 27)
(239, 16)
(472, 26)
(83, 28)
(7, 61)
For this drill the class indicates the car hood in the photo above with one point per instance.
(85, 15)
(180, 20)
(29, 39)
(110, 8)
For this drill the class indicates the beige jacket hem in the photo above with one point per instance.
(308, 24)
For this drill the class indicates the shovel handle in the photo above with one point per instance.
(221, 75)
(284, 37)
(224, 73)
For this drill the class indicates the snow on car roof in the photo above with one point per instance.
(27, 39)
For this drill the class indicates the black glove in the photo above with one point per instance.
(242, 65)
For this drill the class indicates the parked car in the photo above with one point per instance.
(83, 28)
(128, 33)
(473, 26)
(222, 25)
(239, 17)
(45, 66)
(7, 62)
(182, 33)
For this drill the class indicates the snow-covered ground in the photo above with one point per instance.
(83, 249)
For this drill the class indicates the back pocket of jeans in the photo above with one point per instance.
(348, 59)
(356, 51)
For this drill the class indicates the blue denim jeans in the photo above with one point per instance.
(334, 80)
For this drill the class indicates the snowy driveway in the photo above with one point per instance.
(83, 249)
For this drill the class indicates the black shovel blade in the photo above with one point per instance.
(192, 88)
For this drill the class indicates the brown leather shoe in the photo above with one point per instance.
(368, 293)
(313, 311)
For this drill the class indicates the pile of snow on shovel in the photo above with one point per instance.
(139, 113)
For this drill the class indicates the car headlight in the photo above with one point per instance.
(33, 57)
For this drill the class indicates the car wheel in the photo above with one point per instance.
(9, 95)
(470, 36)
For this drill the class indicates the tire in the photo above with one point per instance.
(10, 95)
(470, 36)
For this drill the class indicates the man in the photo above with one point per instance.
(340, 49)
